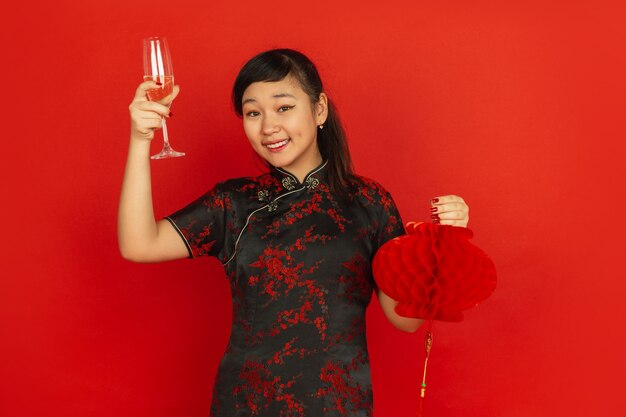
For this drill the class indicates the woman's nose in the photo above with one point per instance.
(270, 126)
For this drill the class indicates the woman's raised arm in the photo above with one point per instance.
(141, 238)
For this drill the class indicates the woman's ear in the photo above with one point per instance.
(321, 109)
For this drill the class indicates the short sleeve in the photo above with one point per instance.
(390, 223)
(201, 224)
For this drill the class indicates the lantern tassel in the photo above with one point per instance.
(428, 343)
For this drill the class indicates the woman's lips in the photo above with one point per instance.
(277, 146)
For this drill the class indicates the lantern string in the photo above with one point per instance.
(428, 343)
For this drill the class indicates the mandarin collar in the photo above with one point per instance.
(311, 180)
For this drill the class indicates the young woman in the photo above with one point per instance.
(296, 243)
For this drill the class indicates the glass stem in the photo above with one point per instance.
(166, 141)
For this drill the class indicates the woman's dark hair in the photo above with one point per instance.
(275, 65)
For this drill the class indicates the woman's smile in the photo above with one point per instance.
(277, 146)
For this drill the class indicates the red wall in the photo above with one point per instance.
(517, 108)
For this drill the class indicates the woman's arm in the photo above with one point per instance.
(141, 238)
(403, 323)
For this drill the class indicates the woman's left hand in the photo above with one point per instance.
(450, 210)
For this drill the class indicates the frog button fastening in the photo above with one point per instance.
(312, 182)
(289, 183)
(264, 197)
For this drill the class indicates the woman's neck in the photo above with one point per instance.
(300, 172)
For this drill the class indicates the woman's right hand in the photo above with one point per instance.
(145, 115)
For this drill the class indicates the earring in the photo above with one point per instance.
(321, 126)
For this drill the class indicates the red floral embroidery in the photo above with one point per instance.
(260, 389)
(359, 281)
(346, 394)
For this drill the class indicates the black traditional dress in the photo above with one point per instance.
(299, 265)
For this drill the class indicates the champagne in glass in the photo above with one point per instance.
(157, 66)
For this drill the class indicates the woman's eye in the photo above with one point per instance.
(252, 113)
(284, 108)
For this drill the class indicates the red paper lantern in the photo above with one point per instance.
(434, 272)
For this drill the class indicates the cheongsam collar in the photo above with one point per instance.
(311, 180)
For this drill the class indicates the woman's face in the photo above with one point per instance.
(281, 124)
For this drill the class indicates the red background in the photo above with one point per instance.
(517, 108)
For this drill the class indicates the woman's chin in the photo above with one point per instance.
(277, 160)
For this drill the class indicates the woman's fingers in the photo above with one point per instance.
(451, 215)
(145, 129)
(145, 115)
(446, 199)
(151, 124)
(151, 107)
(173, 95)
(144, 123)
(449, 209)
(140, 93)
(460, 223)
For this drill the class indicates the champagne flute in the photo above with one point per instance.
(157, 66)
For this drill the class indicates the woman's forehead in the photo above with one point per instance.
(272, 90)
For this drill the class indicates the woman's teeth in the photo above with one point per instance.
(278, 144)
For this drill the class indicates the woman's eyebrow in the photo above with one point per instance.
(278, 95)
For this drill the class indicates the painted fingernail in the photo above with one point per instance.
(159, 83)
(170, 115)
(433, 209)
(434, 216)
(435, 200)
